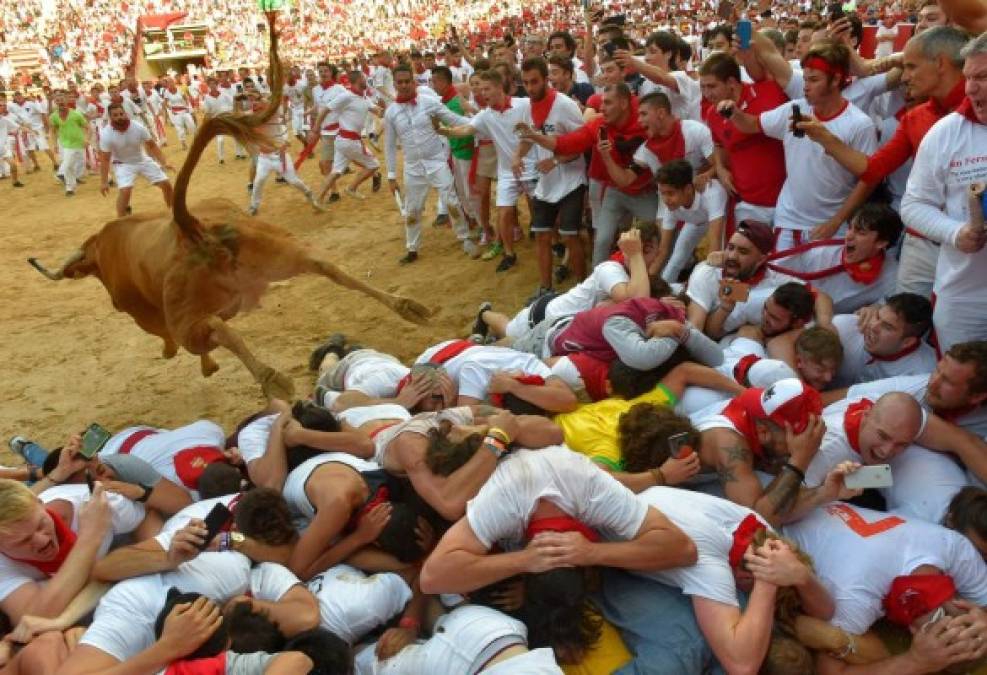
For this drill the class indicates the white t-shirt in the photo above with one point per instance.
(125, 147)
(474, 367)
(708, 205)
(564, 117)
(589, 292)
(924, 484)
(351, 604)
(196, 510)
(295, 93)
(817, 185)
(885, 48)
(858, 552)
(214, 105)
(685, 102)
(252, 439)
(352, 110)
(499, 127)
(698, 146)
(501, 510)
(704, 290)
(125, 516)
(176, 101)
(860, 366)
(710, 522)
(847, 294)
(323, 97)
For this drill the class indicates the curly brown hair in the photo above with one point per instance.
(443, 456)
(643, 432)
(262, 514)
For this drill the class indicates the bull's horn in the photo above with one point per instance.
(60, 274)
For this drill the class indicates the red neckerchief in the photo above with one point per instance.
(743, 369)
(419, 68)
(901, 113)
(618, 256)
(413, 99)
(66, 540)
(864, 272)
(852, 419)
(743, 536)
(325, 84)
(594, 374)
(952, 100)
(913, 595)
(504, 106)
(839, 112)
(966, 109)
(450, 94)
(559, 524)
(897, 355)
(742, 412)
(541, 109)
(122, 128)
(291, 81)
(755, 278)
(211, 665)
(538, 380)
(669, 147)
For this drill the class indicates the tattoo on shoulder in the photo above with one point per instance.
(726, 474)
(737, 454)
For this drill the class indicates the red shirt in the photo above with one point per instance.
(912, 128)
(756, 161)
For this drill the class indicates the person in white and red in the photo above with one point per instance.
(123, 143)
(561, 190)
(613, 138)
(499, 122)
(875, 564)
(409, 121)
(351, 108)
(326, 127)
(886, 341)
(799, 210)
(854, 271)
(663, 72)
(179, 112)
(744, 260)
(216, 102)
(938, 204)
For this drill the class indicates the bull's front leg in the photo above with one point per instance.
(274, 384)
(406, 307)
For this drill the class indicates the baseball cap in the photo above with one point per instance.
(790, 401)
(913, 595)
(760, 234)
(767, 372)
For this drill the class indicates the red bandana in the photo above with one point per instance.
(450, 94)
(325, 84)
(743, 369)
(503, 106)
(541, 109)
(559, 524)
(669, 147)
(538, 380)
(594, 373)
(212, 665)
(866, 271)
(121, 126)
(382, 496)
(191, 462)
(819, 63)
(743, 536)
(747, 408)
(913, 595)
(743, 411)
(966, 109)
(66, 540)
(852, 419)
(413, 99)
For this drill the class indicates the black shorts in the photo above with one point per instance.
(568, 211)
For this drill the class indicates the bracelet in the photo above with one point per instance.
(499, 434)
(410, 623)
(851, 647)
(224, 541)
(147, 493)
(794, 469)
(494, 446)
(659, 476)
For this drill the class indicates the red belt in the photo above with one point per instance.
(351, 135)
(133, 439)
(174, 110)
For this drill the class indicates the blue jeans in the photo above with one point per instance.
(657, 624)
(34, 453)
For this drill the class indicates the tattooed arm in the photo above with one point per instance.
(735, 466)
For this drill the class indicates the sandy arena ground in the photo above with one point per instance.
(68, 358)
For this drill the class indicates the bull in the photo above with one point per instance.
(182, 276)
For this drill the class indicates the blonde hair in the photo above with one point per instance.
(17, 502)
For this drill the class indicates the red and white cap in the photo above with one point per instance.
(790, 401)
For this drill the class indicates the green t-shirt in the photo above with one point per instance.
(462, 148)
(71, 130)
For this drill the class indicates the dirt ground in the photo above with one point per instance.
(69, 359)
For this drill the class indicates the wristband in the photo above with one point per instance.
(499, 434)
(410, 623)
(794, 469)
(147, 493)
(496, 447)
(224, 541)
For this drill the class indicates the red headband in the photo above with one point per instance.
(819, 63)
(560, 524)
(742, 538)
(913, 595)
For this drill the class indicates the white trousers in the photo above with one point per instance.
(917, 267)
(73, 166)
(281, 164)
(416, 186)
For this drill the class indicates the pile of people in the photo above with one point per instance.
(749, 437)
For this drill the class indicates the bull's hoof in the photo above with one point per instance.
(411, 310)
(169, 350)
(207, 365)
(277, 385)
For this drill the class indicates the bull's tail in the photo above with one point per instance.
(247, 129)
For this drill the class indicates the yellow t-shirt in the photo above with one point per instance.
(592, 428)
(607, 655)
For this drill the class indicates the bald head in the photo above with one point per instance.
(889, 427)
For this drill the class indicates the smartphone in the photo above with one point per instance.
(796, 118)
(735, 290)
(93, 440)
(745, 31)
(89, 481)
(603, 133)
(678, 445)
(616, 20)
(218, 519)
(726, 113)
(610, 48)
(876, 476)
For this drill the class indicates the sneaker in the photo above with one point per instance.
(441, 220)
(252, 210)
(350, 192)
(222, 162)
(319, 395)
(378, 180)
(559, 250)
(561, 273)
(480, 327)
(472, 250)
(334, 345)
(70, 193)
(494, 251)
(18, 184)
(250, 187)
(334, 197)
(60, 177)
(537, 294)
(409, 257)
(16, 445)
(507, 262)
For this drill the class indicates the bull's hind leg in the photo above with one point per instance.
(273, 383)
(406, 307)
(207, 365)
